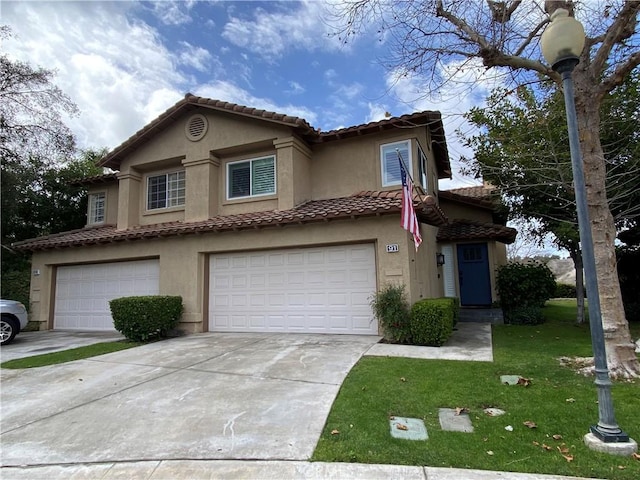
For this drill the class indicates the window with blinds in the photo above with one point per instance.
(251, 178)
(391, 165)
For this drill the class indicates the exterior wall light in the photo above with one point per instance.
(439, 259)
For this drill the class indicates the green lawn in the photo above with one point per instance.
(560, 402)
(69, 355)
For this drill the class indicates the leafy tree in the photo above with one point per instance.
(38, 198)
(424, 35)
(37, 160)
(31, 111)
(520, 152)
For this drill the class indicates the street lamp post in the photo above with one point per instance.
(562, 42)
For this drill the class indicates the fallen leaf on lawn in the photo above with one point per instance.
(401, 426)
(557, 437)
(485, 439)
(525, 382)
(636, 456)
(562, 449)
(568, 458)
(335, 432)
(402, 379)
(460, 410)
(547, 447)
(570, 400)
(530, 424)
(537, 444)
(621, 467)
(489, 452)
(509, 428)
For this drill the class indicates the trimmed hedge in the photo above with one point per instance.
(141, 319)
(432, 321)
(564, 290)
(523, 288)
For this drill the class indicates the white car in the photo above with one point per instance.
(14, 319)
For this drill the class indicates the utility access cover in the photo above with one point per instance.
(408, 428)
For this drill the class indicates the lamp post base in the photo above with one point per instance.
(623, 448)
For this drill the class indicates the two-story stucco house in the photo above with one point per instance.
(264, 224)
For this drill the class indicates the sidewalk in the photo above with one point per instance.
(255, 469)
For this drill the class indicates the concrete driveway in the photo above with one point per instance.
(207, 396)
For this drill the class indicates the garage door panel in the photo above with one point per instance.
(83, 292)
(322, 289)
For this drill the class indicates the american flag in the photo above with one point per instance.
(409, 220)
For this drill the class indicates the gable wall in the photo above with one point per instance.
(342, 168)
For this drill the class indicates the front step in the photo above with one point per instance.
(483, 315)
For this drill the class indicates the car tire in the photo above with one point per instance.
(8, 329)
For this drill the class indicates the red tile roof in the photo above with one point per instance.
(460, 229)
(299, 125)
(479, 196)
(359, 205)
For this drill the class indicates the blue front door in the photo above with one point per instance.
(473, 274)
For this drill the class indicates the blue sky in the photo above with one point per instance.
(123, 63)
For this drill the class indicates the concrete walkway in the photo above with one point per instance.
(228, 406)
(470, 341)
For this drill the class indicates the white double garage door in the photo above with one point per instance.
(298, 290)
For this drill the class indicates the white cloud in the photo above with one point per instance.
(229, 92)
(468, 86)
(197, 57)
(377, 113)
(117, 88)
(295, 88)
(271, 34)
(171, 13)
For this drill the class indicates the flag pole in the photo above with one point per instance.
(406, 170)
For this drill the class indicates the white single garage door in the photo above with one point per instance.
(302, 290)
(83, 291)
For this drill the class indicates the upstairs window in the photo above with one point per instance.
(390, 164)
(251, 178)
(165, 191)
(96, 208)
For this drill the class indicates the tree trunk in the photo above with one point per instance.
(577, 263)
(621, 357)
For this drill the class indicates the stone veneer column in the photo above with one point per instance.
(202, 179)
(293, 164)
(129, 190)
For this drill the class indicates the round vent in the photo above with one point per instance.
(196, 127)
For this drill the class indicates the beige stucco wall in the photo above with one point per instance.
(183, 260)
(111, 201)
(303, 172)
(457, 210)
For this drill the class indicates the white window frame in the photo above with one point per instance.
(172, 199)
(407, 161)
(97, 208)
(250, 161)
(423, 164)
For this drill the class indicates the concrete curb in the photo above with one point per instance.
(258, 469)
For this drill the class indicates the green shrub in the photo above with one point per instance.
(564, 290)
(524, 286)
(391, 308)
(432, 321)
(141, 319)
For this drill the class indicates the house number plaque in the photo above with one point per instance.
(393, 248)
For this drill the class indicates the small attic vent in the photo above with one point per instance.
(196, 127)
